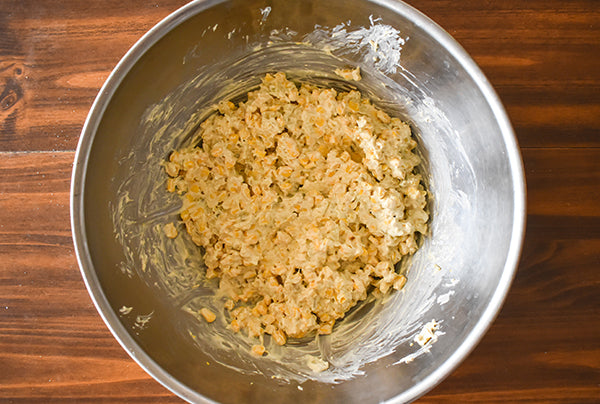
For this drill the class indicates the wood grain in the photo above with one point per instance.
(54, 56)
(53, 344)
(543, 58)
(54, 59)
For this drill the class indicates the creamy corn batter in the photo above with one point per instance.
(304, 199)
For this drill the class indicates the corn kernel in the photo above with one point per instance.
(171, 185)
(170, 230)
(258, 350)
(208, 315)
(285, 171)
(172, 169)
(279, 337)
(399, 282)
(326, 328)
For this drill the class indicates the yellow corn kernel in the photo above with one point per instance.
(279, 337)
(235, 325)
(259, 310)
(172, 169)
(195, 188)
(326, 328)
(252, 238)
(170, 230)
(285, 171)
(188, 164)
(217, 151)
(208, 315)
(171, 185)
(412, 192)
(399, 282)
(258, 350)
(204, 172)
(353, 105)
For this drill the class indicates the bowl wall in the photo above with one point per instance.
(212, 50)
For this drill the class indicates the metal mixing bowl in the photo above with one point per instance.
(211, 50)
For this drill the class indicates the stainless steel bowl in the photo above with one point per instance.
(210, 50)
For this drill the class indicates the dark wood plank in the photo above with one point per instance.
(53, 59)
(542, 57)
(563, 182)
(54, 346)
(543, 347)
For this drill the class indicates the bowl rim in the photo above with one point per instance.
(105, 95)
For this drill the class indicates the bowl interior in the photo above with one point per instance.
(219, 50)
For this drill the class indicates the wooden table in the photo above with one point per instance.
(543, 58)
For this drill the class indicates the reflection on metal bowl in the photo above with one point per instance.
(142, 283)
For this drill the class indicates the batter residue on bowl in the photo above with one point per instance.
(304, 199)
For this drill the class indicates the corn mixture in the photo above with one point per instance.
(303, 198)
